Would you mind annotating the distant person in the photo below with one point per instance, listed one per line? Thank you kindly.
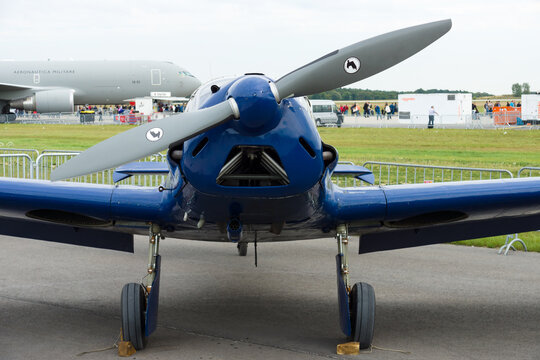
(474, 112)
(366, 109)
(354, 110)
(431, 116)
(378, 112)
(100, 113)
(392, 109)
(388, 111)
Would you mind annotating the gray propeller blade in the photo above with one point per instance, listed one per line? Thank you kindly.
(145, 140)
(359, 61)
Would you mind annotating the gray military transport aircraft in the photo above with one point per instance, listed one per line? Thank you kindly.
(57, 86)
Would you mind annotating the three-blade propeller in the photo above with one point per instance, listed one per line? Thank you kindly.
(339, 68)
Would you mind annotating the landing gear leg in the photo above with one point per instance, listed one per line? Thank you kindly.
(140, 301)
(356, 304)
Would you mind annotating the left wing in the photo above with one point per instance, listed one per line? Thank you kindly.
(400, 216)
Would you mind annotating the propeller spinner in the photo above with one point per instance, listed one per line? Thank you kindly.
(339, 68)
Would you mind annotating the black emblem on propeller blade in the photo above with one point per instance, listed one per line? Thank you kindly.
(154, 134)
(351, 65)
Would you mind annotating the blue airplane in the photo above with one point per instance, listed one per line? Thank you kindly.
(246, 164)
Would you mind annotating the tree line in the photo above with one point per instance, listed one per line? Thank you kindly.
(367, 94)
(518, 89)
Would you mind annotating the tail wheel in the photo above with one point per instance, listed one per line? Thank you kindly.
(134, 315)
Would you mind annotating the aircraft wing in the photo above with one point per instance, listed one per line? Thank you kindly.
(13, 87)
(400, 216)
(80, 214)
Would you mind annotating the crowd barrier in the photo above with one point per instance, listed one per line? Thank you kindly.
(30, 164)
(389, 173)
(506, 115)
(19, 166)
(529, 171)
(132, 118)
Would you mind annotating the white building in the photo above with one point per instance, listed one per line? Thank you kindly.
(452, 108)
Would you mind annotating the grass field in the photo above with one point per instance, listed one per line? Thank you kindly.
(503, 149)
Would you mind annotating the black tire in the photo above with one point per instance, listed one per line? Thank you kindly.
(134, 315)
(242, 248)
(362, 308)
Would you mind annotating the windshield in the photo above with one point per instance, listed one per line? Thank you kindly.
(204, 92)
(185, 73)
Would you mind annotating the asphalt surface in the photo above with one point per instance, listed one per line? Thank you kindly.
(435, 302)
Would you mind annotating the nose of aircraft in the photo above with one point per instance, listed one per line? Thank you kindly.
(191, 84)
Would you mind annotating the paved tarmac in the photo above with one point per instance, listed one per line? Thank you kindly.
(435, 302)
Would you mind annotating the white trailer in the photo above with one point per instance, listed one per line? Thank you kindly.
(452, 108)
(530, 107)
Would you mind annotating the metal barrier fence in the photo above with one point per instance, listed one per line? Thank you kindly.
(388, 173)
(529, 171)
(7, 118)
(48, 161)
(107, 117)
(30, 164)
(19, 166)
(11, 151)
(442, 121)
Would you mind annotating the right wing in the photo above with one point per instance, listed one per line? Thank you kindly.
(79, 214)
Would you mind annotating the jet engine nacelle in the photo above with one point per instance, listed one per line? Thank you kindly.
(60, 100)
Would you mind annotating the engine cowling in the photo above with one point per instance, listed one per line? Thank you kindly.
(59, 100)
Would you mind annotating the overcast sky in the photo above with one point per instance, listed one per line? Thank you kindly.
(492, 44)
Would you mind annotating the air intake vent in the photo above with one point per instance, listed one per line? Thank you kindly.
(252, 166)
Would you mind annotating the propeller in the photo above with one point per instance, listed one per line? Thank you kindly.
(145, 140)
(359, 61)
(339, 68)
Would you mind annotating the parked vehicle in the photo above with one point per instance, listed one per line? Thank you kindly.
(325, 112)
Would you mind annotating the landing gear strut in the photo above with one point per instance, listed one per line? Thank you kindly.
(140, 302)
(356, 304)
